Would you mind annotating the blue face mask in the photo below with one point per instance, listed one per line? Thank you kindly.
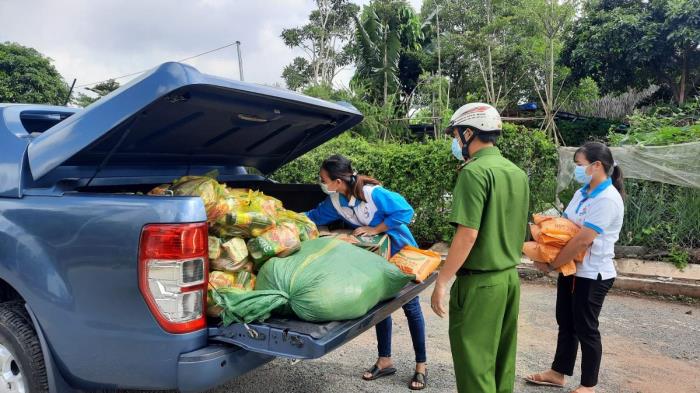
(457, 150)
(580, 174)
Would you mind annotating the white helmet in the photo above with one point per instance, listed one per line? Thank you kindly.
(478, 116)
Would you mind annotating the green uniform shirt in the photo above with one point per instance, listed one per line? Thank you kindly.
(492, 196)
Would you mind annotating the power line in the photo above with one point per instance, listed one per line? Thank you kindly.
(142, 71)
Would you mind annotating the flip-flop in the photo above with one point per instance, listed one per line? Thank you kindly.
(535, 380)
(421, 378)
(379, 373)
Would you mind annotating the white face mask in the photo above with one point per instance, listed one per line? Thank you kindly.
(325, 189)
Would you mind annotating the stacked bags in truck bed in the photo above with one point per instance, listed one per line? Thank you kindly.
(550, 235)
(297, 274)
(247, 228)
(327, 280)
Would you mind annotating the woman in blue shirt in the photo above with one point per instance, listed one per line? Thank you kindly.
(361, 202)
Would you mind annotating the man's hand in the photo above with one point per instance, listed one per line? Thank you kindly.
(543, 267)
(366, 231)
(462, 243)
(437, 301)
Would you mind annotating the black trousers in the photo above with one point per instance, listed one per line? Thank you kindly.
(579, 301)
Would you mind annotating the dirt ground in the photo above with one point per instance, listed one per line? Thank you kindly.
(649, 346)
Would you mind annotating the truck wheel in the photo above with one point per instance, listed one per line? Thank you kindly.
(21, 361)
(17, 307)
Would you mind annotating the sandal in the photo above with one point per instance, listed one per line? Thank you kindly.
(379, 372)
(419, 378)
(538, 380)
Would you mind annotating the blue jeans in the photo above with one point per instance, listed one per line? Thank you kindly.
(416, 325)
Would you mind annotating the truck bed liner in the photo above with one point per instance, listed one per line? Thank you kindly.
(293, 338)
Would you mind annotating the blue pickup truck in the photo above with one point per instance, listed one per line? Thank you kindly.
(103, 287)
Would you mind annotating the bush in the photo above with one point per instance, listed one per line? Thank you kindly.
(425, 173)
(576, 133)
(661, 216)
(662, 125)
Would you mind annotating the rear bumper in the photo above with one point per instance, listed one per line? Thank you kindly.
(214, 365)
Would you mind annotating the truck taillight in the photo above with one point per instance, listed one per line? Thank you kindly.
(173, 271)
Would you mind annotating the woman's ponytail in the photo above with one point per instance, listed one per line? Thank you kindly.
(618, 180)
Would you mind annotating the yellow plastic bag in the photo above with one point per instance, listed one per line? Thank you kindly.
(214, 248)
(243, 280)
(212, 193)
(307, 228)
(281, 241)
(236, 250)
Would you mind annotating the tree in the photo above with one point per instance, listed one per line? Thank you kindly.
(386, 30)
(550, 21)
(101, 89)
(636, 43)
(298, 73)
(482, 48)
(324, 40)
(26, 76)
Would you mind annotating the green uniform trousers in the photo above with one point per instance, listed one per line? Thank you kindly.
(484, 330)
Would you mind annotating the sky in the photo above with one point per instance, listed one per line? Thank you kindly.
(94, 40)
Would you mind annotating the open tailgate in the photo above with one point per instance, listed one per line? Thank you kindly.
(305, 340)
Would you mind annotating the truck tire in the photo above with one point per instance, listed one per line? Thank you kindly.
(17, 306)
(21, 361)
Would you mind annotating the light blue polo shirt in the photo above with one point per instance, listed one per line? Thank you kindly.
(602, 210)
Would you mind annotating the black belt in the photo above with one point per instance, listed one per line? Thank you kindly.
(471, 272)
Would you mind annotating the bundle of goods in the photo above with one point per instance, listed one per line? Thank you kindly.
(280, 241)
(420, 263)
(249, 226)
(326, 280)
(378, 244)
(242, 281)
(550, 235)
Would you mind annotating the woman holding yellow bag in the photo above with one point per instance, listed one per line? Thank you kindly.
(598, 209)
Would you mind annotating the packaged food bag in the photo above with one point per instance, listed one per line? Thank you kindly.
(207, 188)
(162, 189)
(256, 201)
(245, 280)
(327, 280)
(556, 231)
(214, 248)
(550, 235)
(221, 281)
(547, 254)
(264, 203)
(280, 241)
(245, 224)
(378, 244)
(236, 250)
(307, 228)
(420, 263)
(225, 264)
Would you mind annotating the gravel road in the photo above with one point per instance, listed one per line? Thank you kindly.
(649, 346)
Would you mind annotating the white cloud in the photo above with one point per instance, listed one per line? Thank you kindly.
(95, 40)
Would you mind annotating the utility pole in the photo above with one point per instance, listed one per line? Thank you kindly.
(240, 60)
(70, 92)
(437, 23)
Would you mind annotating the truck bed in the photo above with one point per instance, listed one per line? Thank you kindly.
(296, 339)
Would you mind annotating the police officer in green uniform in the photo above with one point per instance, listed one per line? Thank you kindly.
(490, 205)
